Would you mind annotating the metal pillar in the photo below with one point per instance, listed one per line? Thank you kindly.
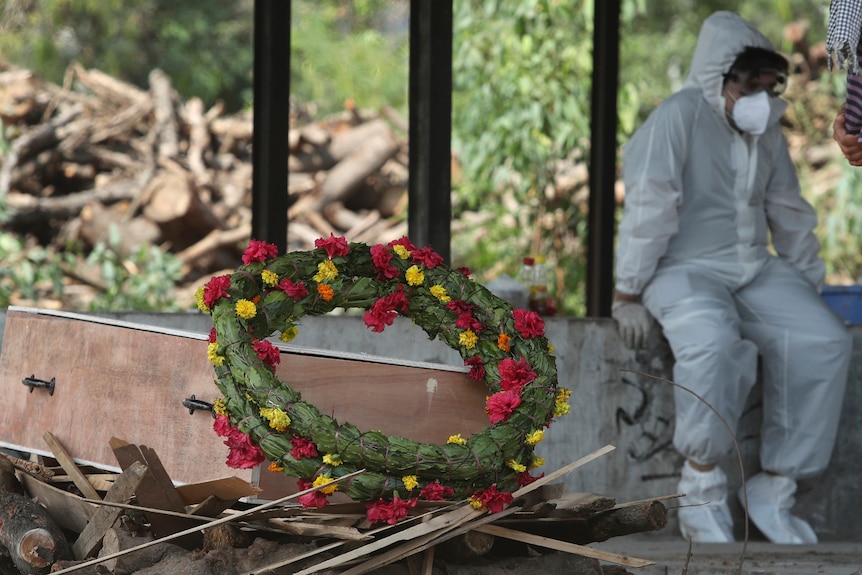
(429, 188)
(271, 104)
(603, 158)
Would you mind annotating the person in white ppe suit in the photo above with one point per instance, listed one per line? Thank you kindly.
(709, 182)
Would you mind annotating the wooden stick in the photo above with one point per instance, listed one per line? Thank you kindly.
(563, 546)
(78, 478)
(213, 523)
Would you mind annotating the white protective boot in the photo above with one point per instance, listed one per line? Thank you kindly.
(704, 516)
(770, 498)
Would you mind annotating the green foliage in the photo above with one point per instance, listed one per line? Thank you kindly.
(339, 52)
(144, 281)
(28, 274)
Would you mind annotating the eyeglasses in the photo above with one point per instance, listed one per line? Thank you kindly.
(773, 82)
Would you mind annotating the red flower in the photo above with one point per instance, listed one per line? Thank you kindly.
(212, 337)
(244, 454)
(436, 492)
(259, 251)
(493, 500)
(465, 271)
(501, 405)
(302, 448)
(295, 290)
(385, 309)
(525, 478)
(267, 353)
(427, 257)
(477, 367)
(389, 511)
(315, 499)
(402, 241)
(216, 289)
(222, 425)
(377, 321)
(381, 257)
(528, 323)
(333, 246)
(515, 374)
(467, 321)
(460, 306)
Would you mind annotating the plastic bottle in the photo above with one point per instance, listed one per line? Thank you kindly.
(526, 274)
(539, 287)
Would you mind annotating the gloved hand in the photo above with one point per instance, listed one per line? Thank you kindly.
(633, 321)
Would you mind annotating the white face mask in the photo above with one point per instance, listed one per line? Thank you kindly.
(751, 113)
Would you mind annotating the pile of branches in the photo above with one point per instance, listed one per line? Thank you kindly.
(97, 154)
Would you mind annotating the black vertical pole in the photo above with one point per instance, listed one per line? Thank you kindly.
(269, 141)
(603, 158)
(429, 189)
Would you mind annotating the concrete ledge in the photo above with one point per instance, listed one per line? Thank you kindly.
(616, 400)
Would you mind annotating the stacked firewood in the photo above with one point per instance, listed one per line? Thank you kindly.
(97, 153)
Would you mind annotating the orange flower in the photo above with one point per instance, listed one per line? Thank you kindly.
(325, 291)
(256, 299)
(503, 342)
(275, 467)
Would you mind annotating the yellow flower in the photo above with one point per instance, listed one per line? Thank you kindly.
(278, 420)
(476, 504)
(561, 406)
(289, 334)
(537, 462)
(515, 466)
(323, 480)
(457, 439)
(468, 339)
(199, 300)
(561, 409)
(332, 460)
(213, 356)
(326, 271)
(551, 349)
(414, 276)
(410, 482)
(535, 437)
(275, 467)
(270, 278)
(401, 251)
(326, 292)
(219, 407)
(246, 309)
(503, 342)
(440, 293)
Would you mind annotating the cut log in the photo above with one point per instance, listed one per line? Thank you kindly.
(166, 120)
(31, 537)
(345, 178)
(174, 204)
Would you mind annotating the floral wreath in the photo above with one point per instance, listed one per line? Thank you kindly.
(263, 418)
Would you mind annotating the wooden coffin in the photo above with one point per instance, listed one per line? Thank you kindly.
(87, 379)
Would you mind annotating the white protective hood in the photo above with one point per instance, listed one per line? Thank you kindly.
(698, 191)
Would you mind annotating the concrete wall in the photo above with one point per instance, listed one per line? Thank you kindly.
(618, 398)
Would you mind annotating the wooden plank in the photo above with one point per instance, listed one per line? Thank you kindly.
(131, 380)
(123, 490)
(110, 382)
(556, 545)
(66, 461)
(157, 490)
(68, 510)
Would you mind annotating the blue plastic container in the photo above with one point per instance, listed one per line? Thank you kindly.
(846, 301)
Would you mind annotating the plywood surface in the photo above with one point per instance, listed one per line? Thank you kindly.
(118, 380)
